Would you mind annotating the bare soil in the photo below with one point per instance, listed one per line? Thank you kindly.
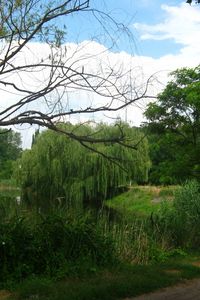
(188, 290)
(4, 295)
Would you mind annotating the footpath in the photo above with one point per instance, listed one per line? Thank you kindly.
(189, 290)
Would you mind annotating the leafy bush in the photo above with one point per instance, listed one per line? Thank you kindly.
(187, 208)
(52, 245)
(178, 222)
(16, 250)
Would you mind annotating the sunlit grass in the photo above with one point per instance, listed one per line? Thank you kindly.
(141, 200)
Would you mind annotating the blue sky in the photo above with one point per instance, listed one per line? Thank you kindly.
(84, 26)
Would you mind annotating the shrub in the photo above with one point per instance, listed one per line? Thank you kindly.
(15, 248)
(51, 245)
(187, 208)
(178, 222)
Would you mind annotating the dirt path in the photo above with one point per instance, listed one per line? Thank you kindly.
(190, 290)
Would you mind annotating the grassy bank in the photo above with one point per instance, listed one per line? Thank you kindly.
(141, 200)
(116, 283)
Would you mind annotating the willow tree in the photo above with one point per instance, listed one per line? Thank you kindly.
(60, 170)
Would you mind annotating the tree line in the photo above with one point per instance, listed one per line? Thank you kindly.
(172, 130)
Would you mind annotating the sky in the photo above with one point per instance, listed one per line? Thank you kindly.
(158, 27)
(159, 36)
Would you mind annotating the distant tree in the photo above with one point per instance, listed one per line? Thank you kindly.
(10, 149)
(174, 121)
(34, 136)
(60, 168)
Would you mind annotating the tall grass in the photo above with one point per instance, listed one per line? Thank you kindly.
(135, 240)
(64, 243)
(171, 229)
(180, 221)
(53, 245)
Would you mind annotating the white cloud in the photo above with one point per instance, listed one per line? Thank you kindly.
(181, 24)
(90, 55)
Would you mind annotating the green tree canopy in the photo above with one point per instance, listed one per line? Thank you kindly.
(175, 122)
(61, 168)
(10, 150)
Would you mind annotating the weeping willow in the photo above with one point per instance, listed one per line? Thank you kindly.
(58, 169)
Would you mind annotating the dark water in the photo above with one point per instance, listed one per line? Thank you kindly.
(11, 203)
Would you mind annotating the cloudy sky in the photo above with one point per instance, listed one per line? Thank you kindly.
(162, 36)
(159, 28)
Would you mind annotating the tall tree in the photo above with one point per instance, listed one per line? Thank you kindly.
(175, 122)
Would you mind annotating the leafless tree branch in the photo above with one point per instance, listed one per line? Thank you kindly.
(44, 99)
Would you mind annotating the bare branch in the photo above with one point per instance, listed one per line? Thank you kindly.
(45, 85)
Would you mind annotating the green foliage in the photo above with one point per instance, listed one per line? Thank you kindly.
(141, 201)
(187, 208)
(12, 27)
(9, 151)
(71, 244)
(137, 201)
(58, 169)
(174, 129)
(53, 245)
(179, 221)
(123, 281)
(8, 203)
(156, 223)
(163, 232)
